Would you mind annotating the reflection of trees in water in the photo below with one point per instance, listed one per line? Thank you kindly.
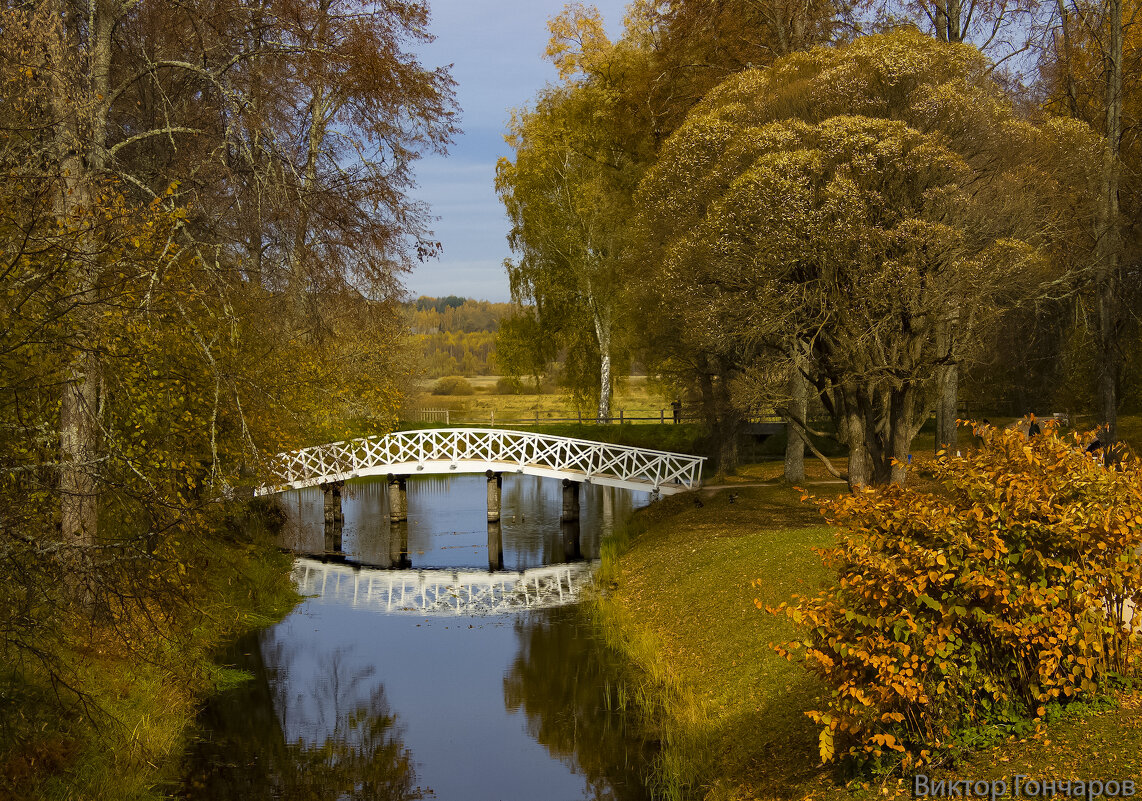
(303, 529)
(354, 750)
(530, 521)
(566, 683)
(432, 485)
(439, 504)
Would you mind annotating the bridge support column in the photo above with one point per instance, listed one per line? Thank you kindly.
(331, 497)
(333, 514)
(398, 546)
(570, 500)
(495, 484)
(398, 498)
(495, 546)
(333, 544)
(572, 550)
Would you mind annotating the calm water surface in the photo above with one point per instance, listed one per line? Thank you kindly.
(350, 701)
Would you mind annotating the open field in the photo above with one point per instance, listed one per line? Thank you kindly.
(638, 400)
(635, 397)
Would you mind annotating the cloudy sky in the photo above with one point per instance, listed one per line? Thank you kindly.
(496, 49)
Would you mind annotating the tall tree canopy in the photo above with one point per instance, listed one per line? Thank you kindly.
(1092, 49)
(858, 210)
(273, 141)
(203, 212)
(569, 208)
(578, 156)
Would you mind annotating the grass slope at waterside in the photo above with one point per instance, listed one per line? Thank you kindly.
(678, 600)
(117, 729)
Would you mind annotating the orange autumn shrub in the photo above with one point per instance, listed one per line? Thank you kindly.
(977, 606)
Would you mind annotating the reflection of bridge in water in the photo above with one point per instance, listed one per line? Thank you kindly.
(438, 592)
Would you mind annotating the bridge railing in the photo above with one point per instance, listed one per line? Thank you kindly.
(578, 459)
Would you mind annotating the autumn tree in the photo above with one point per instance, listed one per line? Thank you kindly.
(1091, 49)
(149, 354)
(839, 208)
(568, 195)
(347, 111)
(697, 44)
(693, 47)
(196, 109)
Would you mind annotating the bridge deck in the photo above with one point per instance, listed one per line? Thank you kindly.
(477, 450)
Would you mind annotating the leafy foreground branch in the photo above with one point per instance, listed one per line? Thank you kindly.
(100, 705)
(977, 607)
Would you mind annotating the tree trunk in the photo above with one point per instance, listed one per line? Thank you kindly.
(940, 13)
(603, 336)
(80, 114)
(859, 461)
(299, 266)
(956, 32)
(1072, 91)
(1109, 242)
(728, 455)
(605, 390)
(900, 432)
(947, 389)
(320, 106)
(79, 452)
(799, 409)
(729, 423)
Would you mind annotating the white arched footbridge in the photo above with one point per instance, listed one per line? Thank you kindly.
(477, 450)
(449, 592)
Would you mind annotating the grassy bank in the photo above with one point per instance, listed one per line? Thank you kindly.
(678, 601)
(110, 719)
(728, 711)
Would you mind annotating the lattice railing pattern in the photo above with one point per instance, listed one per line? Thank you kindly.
(486, 448)
(437, 592)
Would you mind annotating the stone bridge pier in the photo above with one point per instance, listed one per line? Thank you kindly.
(398, 546)
(398, 498)
(570, 501)
(495, 546)
(495, 490)
(333, 514)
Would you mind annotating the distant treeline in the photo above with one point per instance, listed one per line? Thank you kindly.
(457, 335)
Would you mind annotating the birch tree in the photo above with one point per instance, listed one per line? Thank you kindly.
(567, 194)
(355, 111)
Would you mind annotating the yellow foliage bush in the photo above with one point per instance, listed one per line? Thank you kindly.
(977, 606)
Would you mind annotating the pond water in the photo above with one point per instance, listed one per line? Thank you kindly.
(376, 688)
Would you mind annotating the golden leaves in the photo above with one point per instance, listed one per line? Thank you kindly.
(964, 608)
(578, 40)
